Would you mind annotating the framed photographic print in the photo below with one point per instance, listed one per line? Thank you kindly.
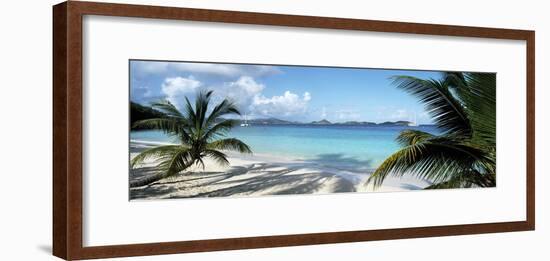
(252, 130)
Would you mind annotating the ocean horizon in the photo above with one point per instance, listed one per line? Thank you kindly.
(367, 146)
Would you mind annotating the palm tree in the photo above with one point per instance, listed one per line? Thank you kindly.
(463, 107)
(201, 133)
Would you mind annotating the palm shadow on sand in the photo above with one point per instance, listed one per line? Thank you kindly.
(275, 178)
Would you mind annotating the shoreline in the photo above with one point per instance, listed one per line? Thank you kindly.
(261, 174)
(229, 153)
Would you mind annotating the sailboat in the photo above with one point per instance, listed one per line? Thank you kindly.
(245, 123)
(413, 123)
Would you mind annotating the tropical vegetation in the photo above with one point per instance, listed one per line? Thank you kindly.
(463, 107)
(139, 112)
(201, 131)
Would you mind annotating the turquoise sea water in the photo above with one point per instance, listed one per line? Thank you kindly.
(368, 146)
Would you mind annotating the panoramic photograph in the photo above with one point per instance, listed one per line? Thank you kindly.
(201, 130)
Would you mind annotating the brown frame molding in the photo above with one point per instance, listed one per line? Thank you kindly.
(67, 129)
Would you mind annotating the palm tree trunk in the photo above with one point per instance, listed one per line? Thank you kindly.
(146, 180)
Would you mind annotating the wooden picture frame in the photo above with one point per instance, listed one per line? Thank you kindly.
(68, 118)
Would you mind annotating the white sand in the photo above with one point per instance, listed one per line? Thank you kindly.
(257, 175)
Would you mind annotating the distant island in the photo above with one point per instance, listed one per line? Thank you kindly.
(275, 121)
(140, 112)
(321, 122)
(395, 123)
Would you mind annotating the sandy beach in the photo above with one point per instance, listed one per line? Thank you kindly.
(260, 174)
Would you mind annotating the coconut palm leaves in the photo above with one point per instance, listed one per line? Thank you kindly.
(477, 93)
(200, 130)
(463, 107)
(445, 110)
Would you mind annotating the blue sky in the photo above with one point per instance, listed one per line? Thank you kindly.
(297, 93)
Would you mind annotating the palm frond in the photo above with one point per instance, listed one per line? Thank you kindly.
(458, 181)
(199, 161)
(436, 159)
(167, 108)
(411, 137)
(230, 144)
(223, 108)
(167, 125)
(179, 160)
(463, 106)
(219, 129)
(153, 153)
(477, 93)
(455, 80)
(480, 102)
(466, 180)
(190, 115)
(218, 156)
(197, 129)
(445, 110)
(202, 102)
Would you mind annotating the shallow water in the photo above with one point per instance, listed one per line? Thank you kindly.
(349, 145)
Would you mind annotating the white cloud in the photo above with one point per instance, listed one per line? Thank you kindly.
(177, 88)
(286, 105)
(247, 85)
(226, 70)
(241, 91)
(307, 96)
(246, 92)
